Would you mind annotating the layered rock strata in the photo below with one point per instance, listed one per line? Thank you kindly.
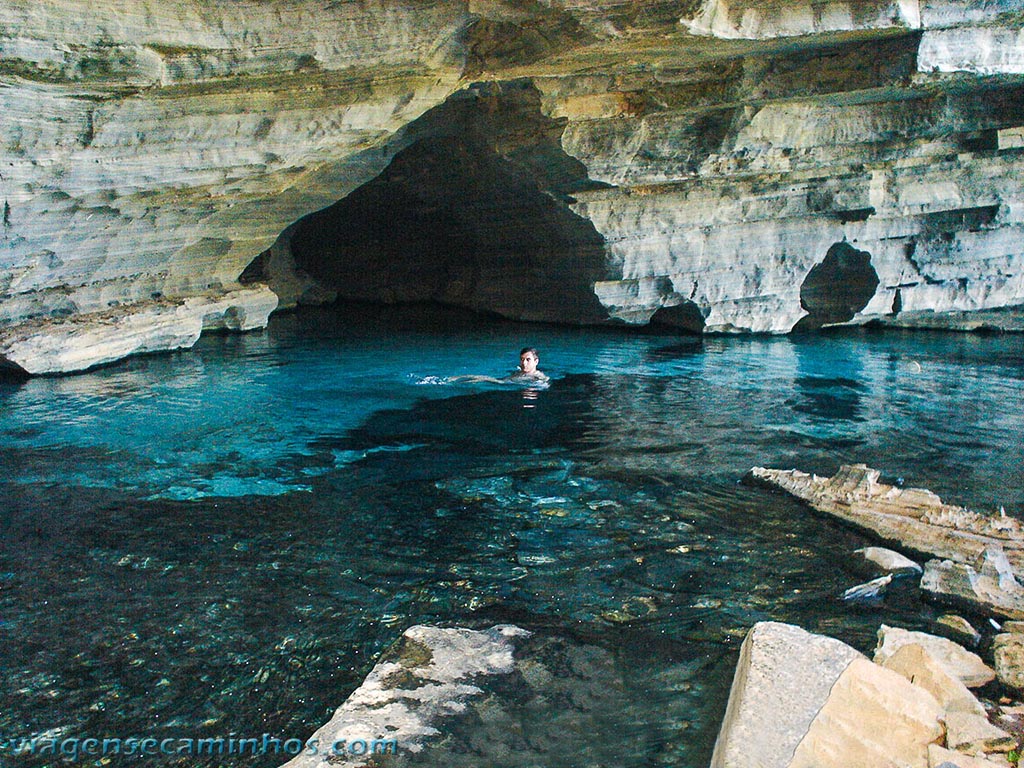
(914, 518)
(757, 165)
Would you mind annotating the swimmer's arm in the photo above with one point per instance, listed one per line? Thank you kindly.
(474, 378)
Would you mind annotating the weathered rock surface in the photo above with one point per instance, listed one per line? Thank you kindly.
(873, 717)
(781, 669)
(920, 667)
(659, 162)
(428, 677)
(1008, 658)
(958, 629)
(975, 735)
(911, 517)
(988, 587)
(963, 664)
(805, 700)
(940, 757)
(84, 341)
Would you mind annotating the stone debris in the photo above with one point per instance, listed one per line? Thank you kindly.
(958, 629)
(1008, 658)
(914, 518)
(975, 735)
(871, 590)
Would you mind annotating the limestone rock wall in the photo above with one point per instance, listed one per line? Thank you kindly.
(714, 165)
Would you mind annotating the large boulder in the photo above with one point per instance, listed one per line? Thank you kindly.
(800, 699)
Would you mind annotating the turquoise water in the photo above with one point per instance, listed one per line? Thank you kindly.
(221, 541)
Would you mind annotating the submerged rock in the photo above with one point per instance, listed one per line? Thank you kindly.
(911, 517)
(427, 677)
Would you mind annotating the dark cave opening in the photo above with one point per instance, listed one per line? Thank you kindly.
(474, 212)
(838, 288)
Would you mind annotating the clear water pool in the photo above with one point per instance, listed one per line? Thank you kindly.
(221, 541)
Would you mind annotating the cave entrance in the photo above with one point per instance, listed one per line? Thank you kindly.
(473, 212)
(838, 288)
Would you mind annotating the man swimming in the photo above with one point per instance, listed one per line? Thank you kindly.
(526, 372)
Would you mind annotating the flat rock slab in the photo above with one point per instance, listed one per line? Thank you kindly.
(914, 518)
(85, 341)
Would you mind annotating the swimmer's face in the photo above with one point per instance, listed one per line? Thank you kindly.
(528, 362)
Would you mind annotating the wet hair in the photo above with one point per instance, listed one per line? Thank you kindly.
(525, 350)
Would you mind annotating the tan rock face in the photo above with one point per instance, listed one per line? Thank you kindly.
(1008, 656)
(873, 717)
(924, 670)
(866, 170)
(959, 662)
(783, 670)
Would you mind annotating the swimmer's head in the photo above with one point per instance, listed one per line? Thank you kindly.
(528, 360)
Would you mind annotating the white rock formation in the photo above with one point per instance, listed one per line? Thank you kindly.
(867, 169)
(85, 341)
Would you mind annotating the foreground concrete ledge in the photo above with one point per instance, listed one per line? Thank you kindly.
(425, 678)
(55, 346)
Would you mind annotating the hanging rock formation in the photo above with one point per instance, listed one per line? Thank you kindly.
(726, 165)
